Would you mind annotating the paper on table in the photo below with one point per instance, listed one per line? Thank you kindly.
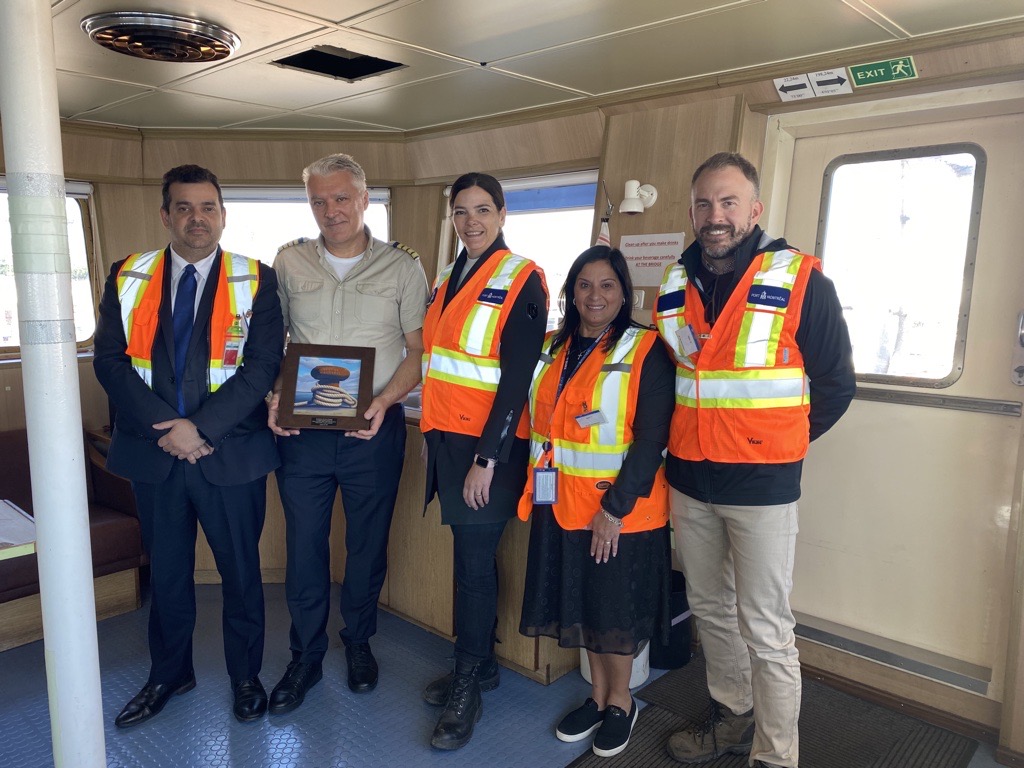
(16, 525)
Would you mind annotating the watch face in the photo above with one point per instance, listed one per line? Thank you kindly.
(481, 462)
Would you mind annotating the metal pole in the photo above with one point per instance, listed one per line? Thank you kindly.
(42, 271)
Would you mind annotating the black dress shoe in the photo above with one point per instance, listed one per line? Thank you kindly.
(250, 700)
(362, 668)
(150, 700)
(291, 691)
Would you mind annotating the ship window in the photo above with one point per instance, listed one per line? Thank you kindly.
(898, 235)
(261, 220)
(82, 293)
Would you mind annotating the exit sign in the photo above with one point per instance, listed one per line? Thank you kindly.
(878, 72)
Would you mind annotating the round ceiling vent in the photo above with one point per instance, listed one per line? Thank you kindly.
(160, 37)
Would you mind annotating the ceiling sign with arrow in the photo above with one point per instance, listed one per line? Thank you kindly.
(826, 82)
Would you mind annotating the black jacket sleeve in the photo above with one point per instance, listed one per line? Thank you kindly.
(655, 402)
(824, 342)
(521, 340)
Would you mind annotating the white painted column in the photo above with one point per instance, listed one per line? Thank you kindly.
(42, 270)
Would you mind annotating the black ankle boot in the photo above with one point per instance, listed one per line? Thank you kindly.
(461, 711)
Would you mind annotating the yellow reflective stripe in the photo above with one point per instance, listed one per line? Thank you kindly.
(135, 274)
(478, 333)
(464, 370)
(443, 275)
(241, 274)
(611, 392)
(671, 321)
(771, 388)
(686, 387)
(479, 328)
(588, 460)
(760, 328)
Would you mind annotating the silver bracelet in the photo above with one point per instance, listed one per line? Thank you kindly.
(616, 521)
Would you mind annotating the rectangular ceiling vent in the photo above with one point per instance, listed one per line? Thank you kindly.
(329, 61)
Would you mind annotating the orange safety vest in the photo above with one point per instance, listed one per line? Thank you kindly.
(140, 291)
(589, 459)
(743, 397)
(461, 367)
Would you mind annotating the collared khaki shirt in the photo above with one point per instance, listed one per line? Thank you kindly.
(383, 298)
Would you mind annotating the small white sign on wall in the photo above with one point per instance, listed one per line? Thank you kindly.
(648, 255)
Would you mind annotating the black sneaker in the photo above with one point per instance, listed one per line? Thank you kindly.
(580, 723)
(615, 731)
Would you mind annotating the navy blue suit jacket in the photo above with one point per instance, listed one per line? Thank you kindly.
(233, 419)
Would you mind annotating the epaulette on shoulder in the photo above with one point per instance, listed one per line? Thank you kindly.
(296, 241)
(406, 248)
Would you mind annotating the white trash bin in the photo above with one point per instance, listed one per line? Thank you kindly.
(641, 666)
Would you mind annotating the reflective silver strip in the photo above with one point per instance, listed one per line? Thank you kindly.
(442, 365)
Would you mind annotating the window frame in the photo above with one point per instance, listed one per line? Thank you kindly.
(970, 256)
(81, 193)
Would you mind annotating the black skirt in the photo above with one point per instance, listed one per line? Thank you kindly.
(609, 607)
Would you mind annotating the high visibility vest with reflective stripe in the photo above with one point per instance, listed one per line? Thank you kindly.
(140, 290)
(461, 367)
(743, 397)
(589, 459)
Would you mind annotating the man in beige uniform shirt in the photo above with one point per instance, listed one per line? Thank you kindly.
(344, 288)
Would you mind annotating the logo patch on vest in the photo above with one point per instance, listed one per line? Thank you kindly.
(492, 296)
(602, 485)
(769, 296)
(673, 300)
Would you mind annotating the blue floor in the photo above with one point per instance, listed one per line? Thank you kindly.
(334, 728)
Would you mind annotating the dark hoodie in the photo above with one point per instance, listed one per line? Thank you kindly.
(824, 343)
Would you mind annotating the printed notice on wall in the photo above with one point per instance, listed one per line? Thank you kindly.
(648, 255)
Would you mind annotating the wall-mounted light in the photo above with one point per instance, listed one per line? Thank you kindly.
(637, 198)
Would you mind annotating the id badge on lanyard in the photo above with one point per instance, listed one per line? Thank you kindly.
(545, 485)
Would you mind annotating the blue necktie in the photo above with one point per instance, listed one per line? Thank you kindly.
(183, 317)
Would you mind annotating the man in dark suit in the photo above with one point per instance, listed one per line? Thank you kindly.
(188, 344)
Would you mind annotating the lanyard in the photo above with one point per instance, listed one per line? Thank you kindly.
(568, 374)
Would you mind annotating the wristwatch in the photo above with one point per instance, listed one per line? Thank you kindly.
(480, 461)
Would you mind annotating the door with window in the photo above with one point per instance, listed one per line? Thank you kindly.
(903, 555)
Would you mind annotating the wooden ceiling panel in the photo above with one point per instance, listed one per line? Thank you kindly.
(690, 48)
(490, 31)
(461, 96)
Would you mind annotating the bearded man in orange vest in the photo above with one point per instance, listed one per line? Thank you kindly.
(763, 366)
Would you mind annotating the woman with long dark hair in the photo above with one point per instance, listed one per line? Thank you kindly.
(599, 560)
(482, 334)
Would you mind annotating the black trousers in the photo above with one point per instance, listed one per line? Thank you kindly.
(476, 581)
(314, 465)
(232, 519)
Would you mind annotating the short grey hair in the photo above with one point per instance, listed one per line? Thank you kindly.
(335, 163)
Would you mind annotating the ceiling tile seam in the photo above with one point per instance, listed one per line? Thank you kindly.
(354, 123)
(380, 10)
(63, 5)
(538, 81)
(432, 78)
(110, 104)
(366, 34)
(488, 116)
(875, 16)
(734, 6)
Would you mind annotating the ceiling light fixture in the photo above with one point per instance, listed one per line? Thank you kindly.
(161, 37)
(637, 198)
